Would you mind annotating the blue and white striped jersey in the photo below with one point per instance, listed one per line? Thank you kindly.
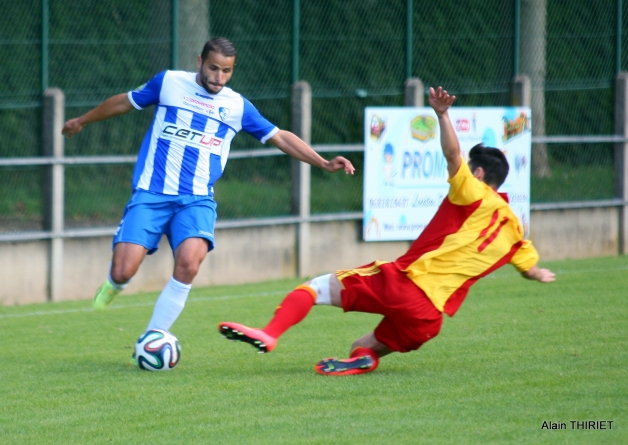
(186, 147)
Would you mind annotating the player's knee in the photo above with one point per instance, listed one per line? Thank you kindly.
(122, 273)
(186, 270)
(321, 288)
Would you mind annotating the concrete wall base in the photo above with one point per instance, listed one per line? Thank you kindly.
(249, 255)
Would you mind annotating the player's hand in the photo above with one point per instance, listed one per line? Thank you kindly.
(72, 127)
(440, 100)
(546, 276)
(339, 163)
(540, 275)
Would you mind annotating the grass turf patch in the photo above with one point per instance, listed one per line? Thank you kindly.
(518, 353)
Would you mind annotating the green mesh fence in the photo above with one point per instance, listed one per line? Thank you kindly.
(22, 203)
(354, 54)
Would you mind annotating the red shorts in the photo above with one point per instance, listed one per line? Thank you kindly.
(410, 318)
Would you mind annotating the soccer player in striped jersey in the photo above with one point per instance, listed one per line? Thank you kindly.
(473, 233)
(183, 154)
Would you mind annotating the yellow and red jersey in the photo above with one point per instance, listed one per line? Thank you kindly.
(473, 233)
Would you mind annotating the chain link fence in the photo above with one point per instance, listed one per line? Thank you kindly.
(354, 54)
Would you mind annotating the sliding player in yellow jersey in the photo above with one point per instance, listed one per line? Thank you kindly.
(473, 233)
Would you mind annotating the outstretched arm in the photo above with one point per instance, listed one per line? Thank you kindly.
(538, 274)
(292, 145)
(440, 101)
(114, 106)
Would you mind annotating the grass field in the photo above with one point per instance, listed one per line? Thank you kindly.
(517, 354)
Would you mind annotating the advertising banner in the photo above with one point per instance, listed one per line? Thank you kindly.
(405, 172)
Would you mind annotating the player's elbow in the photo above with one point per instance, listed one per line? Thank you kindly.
(279, 140)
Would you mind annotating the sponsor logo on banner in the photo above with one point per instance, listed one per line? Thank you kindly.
(515, 126)
(526, 225)
(389, 169)
(463, 125)
(521, 163)
(423, 128)
(424, 165)
(377, 127)
(372, 228)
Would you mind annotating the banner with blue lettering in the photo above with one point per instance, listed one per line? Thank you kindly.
(405, 172)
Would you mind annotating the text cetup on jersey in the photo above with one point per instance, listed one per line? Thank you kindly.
(195, 137)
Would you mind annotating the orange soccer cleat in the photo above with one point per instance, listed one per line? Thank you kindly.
(257, 338)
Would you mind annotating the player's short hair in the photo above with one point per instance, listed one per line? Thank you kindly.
(219, 45)
(492, 161)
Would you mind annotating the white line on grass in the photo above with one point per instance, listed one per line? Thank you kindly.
(498, 275)
(146, 303)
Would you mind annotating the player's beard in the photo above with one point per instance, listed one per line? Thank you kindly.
(206, 84)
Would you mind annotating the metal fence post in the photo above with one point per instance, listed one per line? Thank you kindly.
(533, 62)
(53, 146)
(296, 37)
(414, 96)
(192, 31)
(621, 157)
(301, 172)
(521, 92)
(409, 35)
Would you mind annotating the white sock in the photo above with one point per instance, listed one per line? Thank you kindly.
(169, 305)
(321, 287)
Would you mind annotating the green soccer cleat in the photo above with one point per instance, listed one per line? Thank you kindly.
(133, 362)
(105, 296)
(349, 366)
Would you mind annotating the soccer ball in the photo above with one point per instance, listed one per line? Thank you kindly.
(157, 350)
